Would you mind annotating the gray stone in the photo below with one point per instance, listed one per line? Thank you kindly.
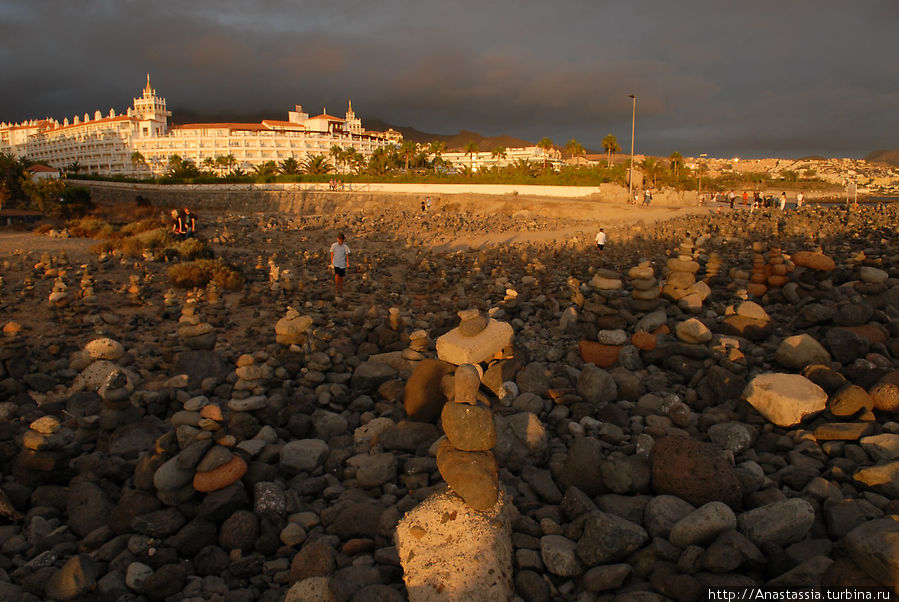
(780, 523)
(559, 556)
(373, 470)
(874, 546)
(609, 538)
(703, 525)
(303, 455)
(663, 512)
(596, 385)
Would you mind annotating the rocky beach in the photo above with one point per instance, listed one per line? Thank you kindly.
(493, 410)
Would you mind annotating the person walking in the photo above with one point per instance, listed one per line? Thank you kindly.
(340, 260)
(783, 200)
(601, 240)
(800, 198)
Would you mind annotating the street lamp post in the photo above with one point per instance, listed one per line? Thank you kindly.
(630, 172)
(701, 157)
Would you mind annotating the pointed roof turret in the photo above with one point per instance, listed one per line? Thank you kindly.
(148, 88)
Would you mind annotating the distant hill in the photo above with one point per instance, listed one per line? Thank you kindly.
(890, 157)
(454, 142)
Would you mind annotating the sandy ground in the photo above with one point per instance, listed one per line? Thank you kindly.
(607, 215)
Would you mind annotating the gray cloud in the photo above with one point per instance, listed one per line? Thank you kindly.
(748, 79)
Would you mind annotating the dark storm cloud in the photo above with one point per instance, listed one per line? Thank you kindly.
(751, 79)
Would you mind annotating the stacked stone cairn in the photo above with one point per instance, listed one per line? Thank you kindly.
(59, 296)
(88, 296)
(436, 539)
(135, 292)
(47, 448)
(680, 284)
(293, 328)
(713, 266)
(252, 379)
(193, 332)
(646, 291)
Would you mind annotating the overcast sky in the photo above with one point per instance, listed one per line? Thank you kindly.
(726, 77)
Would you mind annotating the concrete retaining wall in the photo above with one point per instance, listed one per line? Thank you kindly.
(304, 198)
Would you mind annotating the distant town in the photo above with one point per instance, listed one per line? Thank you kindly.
(141, 143)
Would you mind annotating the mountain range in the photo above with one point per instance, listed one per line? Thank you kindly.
(890, 157)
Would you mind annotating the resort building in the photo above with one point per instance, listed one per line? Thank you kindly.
(140, 142)
(482, 160)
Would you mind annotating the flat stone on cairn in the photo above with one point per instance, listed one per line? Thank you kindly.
(292, 329)
(680, 282)
(59, 296)
(250, 375)
(47, 448)
(457, 347)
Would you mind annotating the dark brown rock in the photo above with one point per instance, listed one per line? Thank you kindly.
(423, 399)
(694, 471)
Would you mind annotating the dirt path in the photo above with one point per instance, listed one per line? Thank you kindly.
(15, 242)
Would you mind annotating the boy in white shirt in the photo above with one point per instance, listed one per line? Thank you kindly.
(601, 240)
(340, 260)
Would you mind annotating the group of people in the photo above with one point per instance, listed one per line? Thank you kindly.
(755, 200)
(647, 197)
(184, 223)
(426, 204)
(335, 184)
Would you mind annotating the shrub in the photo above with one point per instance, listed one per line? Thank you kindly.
(192, 248)
(141, 226)
(102, 247)
(91, 227)
(153, 239)
(201, 272)
(43, 229)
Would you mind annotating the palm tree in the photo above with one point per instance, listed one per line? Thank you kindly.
(436, 148)
(289, 166)
(267, 168)
(74, 167)
(545, 145)
(407, 150)
(335, 155)
(651, 169)
(317, 164)
(471, 147)
(574, 148)
(677, 160)
(499, 153)
(138, 159)
(610, 145)
(226, 162)
(209, 164)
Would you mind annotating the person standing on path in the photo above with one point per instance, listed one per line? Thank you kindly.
(799, 200)
(783, 200)
(340, 259)
(600, 240)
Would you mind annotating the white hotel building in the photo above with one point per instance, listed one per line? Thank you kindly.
(106, 144)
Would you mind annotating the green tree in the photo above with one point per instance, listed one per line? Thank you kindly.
(651, 168)
(317, 165)
(574, 148)
(226, 162)
(74, 167)
(44, 194)
(677, 161)
(12, 171)
(545, 145)
(610, 145)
